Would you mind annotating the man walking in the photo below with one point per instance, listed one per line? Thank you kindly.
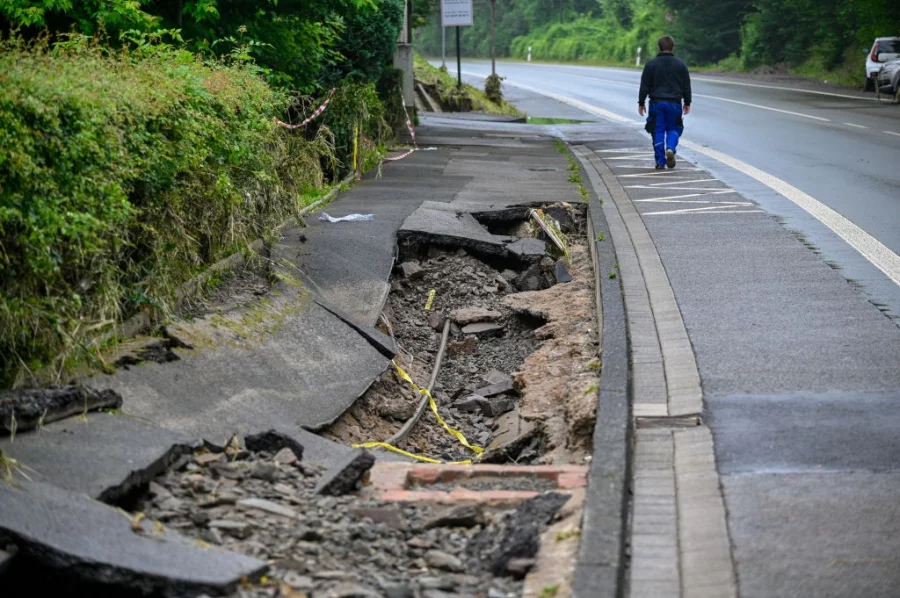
(667, 81)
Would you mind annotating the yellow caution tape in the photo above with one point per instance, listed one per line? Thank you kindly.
(433, 404)
(459, 435)
(428, 305)
(394, 449)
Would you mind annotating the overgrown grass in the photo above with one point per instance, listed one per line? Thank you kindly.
(848, 74)
(121, 175)
(447, 88)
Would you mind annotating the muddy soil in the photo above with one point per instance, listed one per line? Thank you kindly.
(541, 336)
(323, 546)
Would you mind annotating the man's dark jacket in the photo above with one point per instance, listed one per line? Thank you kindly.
(665, 79)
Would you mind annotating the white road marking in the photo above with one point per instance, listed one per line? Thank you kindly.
(696, 95)
(641, 166)
(666, 174)
(821, 93)
(871, 248)
(709, 210)
(708, 189)
(856, 125)
(761, 107)
(566, 100)
(868, 246)
(673, 198)
(679, 182)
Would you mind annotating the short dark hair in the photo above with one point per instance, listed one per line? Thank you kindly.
(666, 43)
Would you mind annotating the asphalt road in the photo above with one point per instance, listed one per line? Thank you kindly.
(800, 374)
(842, 148)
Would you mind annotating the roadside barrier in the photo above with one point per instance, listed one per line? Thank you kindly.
(312, 117)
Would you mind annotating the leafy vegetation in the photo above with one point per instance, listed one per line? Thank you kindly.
(803, 36)
(138, 145)
(446, 87)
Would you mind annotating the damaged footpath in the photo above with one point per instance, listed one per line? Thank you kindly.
(396, 407)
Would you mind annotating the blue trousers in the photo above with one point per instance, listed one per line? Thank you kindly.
(665, 124)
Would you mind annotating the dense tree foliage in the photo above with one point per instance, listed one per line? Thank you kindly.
(137, 146)
(758, 32)
(303, 44)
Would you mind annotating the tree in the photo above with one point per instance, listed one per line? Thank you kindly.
(707, 32)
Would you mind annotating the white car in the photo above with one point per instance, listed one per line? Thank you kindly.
(883, 50)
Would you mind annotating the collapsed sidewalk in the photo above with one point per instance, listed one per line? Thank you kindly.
(316, 338)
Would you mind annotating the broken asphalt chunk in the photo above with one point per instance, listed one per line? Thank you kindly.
(412, 270)
(90, 542)
(347, 475)
(504, 547)
(561, 272)
(483, 329)
(105, 457)
(513, 434)
(471, 315)
(273, 441)
(26, 409)
(528, 249)
(496, 389)
(461, 516)
(268, 506)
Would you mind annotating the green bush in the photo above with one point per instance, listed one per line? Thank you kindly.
(122, 174)
(601, 40)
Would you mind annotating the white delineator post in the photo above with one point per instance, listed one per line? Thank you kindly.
(638, 61)
(529, 53)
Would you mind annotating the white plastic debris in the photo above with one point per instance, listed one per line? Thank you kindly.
(348, 218)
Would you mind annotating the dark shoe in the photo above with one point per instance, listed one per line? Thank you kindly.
(670, 158)
(658, 167)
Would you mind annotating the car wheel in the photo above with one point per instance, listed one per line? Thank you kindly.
(870, 85)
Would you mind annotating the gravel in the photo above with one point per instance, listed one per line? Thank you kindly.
(330, 545)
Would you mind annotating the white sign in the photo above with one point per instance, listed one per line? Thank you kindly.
(456, 13)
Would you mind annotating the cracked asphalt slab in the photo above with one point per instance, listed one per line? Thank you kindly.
(291, 361)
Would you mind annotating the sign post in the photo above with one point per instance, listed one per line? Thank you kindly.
(457, 13)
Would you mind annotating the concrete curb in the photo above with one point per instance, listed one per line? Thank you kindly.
(143, 320)
(600, 570)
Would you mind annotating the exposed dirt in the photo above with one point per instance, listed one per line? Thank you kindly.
(559, 381)
(231, 290)
(544, 338)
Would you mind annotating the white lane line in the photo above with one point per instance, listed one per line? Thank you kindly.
(566, 100)
(856, 125)
(621, 151)
(658, 172)
(892, 133)
(821, 93)
(709, 210)
(871, 248)
(868, 246)
(680, 182)
(673, 198)
(708, 97)
(761, 107)
(641, 166)
(708, 189)
(666, 174)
